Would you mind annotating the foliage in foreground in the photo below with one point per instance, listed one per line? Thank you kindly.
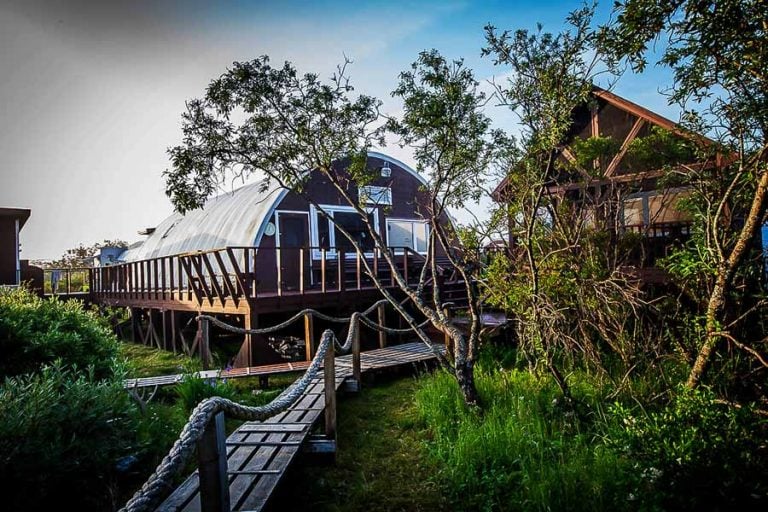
(527, 451)
(62, 433)
(35, 332)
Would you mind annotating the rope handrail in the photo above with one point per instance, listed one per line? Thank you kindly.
(159, 484)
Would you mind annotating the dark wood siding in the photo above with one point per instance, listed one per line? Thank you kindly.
(8, 250)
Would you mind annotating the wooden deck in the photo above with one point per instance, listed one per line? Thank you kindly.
(259, 453)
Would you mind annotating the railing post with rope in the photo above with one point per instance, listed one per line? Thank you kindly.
(329, 378)
(205, 347)
(356, 370)
(212, 464)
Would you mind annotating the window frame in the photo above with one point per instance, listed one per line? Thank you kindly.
(413, 222)
(315, 215)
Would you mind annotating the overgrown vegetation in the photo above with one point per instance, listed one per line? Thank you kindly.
(528, 450)
(35, 332)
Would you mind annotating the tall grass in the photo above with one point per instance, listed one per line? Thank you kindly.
(524, 451)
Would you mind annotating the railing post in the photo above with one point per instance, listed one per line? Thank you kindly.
(382, 319)
(301, 270)
(329, 377)
(356, 370)
(357, 270)
(309, 335)
(341, 262)
(322, 270)
(205, 347)
(212, 462)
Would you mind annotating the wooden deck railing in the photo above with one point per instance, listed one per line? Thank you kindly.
(66, 281)
(233, 274)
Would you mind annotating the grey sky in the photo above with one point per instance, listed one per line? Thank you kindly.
(91, 92)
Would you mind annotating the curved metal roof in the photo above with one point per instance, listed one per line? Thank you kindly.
(232, 219)
(236, 218)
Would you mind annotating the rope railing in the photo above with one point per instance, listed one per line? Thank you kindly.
(210, 412)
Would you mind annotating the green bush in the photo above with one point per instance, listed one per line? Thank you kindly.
(35, 332)
(192, 390)
(696, 453)
(61, 434)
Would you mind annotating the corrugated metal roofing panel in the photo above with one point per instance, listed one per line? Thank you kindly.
(232, 219)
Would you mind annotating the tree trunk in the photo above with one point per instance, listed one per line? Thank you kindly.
(465, 375)
(725, 272)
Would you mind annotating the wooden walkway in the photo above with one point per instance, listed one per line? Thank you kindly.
(259, 453)
(234, 373)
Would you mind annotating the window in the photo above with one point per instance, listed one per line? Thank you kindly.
(375, 195)
(354, 225)
(408, 233)
(325, 234)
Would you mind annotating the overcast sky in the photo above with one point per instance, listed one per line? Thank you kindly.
(91, 91)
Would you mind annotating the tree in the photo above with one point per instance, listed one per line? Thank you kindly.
(452, 142)
(718, 54)
(550, 75)
(82, 256)
(259, 118)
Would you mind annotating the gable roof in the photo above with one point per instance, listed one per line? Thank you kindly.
(638, 120)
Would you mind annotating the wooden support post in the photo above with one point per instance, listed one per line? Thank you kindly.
(329, 377)
(322, 270)
(341, 263)
(135, 328)
(251, 321)
(357, 373)
(212, 462)
(166, 319)
(205, 346)
(309, 332)
(382, 319)
(358, 272)
(301, 270)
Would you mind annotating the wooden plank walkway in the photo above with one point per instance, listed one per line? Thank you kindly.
(259, 453)
(251, 371)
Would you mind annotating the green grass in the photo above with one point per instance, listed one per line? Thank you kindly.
(525, 451)
(144, 361)
(381, 464)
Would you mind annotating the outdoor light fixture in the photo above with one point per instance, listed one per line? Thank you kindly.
(386, 171)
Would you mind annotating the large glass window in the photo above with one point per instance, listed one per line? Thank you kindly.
(354, 225)
(327, 235)
(413, 234)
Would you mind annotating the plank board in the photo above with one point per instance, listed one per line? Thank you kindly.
(282, 436)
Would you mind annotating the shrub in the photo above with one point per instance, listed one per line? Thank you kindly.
(192, 390)
(696, 452)
(61, 434)
(35, 332)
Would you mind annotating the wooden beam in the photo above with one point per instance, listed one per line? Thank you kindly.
(624, 146)
(309, 334)
(225, 278)
(329, 378)
(205, 343)
(212, 466)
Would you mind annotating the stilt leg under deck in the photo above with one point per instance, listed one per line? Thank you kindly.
(135, 327)
(245, 355)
